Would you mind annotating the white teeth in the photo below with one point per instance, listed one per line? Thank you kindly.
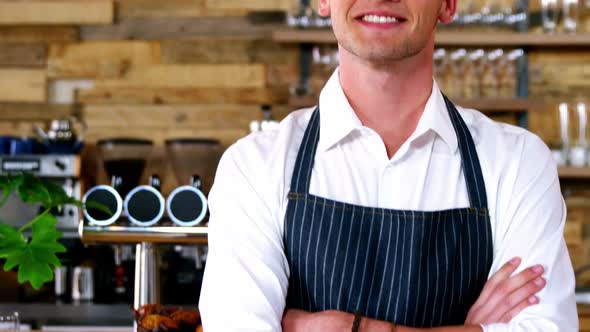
(379, 19)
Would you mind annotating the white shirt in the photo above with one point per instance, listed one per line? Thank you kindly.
(246, 275)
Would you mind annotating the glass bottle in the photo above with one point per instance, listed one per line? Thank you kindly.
(550, 14)
(571, 15)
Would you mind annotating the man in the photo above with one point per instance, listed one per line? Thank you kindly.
(387, 208)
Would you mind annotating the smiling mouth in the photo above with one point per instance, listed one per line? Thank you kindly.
(379, 19)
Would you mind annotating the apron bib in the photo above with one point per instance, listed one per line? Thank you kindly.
(414, 268)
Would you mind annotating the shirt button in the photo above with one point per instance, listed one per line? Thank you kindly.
(388, 168)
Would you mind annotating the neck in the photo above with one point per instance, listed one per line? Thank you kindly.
(388, 98)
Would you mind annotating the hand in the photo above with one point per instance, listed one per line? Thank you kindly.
(504, 296)
(325, 321)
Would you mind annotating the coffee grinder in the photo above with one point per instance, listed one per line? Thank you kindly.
(194, 162)
(124, 161)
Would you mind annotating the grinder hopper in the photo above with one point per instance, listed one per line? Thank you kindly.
(191, 157)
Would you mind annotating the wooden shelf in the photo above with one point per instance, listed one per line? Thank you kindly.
(581, 173)
(315, 36)
(454, 38)
(507, 105)
(513, 39)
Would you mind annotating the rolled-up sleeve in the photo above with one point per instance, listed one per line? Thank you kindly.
(246, 274)
(531, 227)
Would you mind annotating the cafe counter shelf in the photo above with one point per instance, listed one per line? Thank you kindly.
(134, 234)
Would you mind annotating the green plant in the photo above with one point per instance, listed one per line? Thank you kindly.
(35, 256)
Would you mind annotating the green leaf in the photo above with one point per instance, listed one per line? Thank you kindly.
(98, 206)
(32, 190)
(35, 259)
(75, 202)
(12, 242)
(10, 237)
(57, 194)
(6, 186)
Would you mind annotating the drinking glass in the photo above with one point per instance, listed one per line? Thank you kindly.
(334, 58)
(9, 322)
(302, 16)
(307, 18)
(550, 13)
(571, 14)
(316, 54)
(492, 13)
(560, 150)
(578, 152)
(472, 14)
(293, 18)
(514, 13)
(326, 57)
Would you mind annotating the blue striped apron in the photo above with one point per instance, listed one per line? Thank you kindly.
(415, 268)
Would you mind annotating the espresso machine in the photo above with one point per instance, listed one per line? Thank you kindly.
(54, 156)
(169, 233)
(63, 170)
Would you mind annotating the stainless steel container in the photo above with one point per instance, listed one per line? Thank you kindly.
(61, 282)
(82, 284)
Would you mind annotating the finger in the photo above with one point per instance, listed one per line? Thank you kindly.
(494, 306)
(530, 301)
(518, 296)
(504, 273)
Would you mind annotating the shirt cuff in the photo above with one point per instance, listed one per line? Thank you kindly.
(493, 327)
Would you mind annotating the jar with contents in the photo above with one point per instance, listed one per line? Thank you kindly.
(441, 68)
(489, 76)
(473, 68)
(456, 73)
(508, 74)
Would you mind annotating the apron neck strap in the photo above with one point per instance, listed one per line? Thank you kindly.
(305, 157)
(470, 161)
(300, 181)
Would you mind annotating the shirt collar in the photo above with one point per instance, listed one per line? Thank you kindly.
(436, 118)
(338, 119)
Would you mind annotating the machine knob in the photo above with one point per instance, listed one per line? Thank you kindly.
(61, 165)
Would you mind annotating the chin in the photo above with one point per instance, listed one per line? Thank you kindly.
(391, 53)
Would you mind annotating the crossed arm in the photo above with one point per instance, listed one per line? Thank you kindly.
(503, 297)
